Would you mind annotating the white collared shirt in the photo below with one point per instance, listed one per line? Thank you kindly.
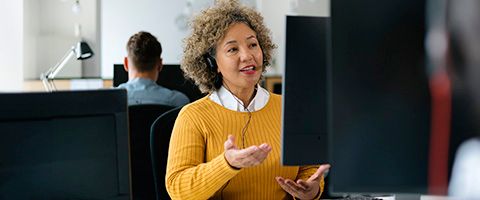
(465, 180)
(225, 98)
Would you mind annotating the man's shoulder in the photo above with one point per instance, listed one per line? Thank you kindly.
(174, 94)
(123, 85)
(132, 84)
(162, 95)
(179, 98)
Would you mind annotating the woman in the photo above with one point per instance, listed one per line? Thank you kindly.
(227, 144)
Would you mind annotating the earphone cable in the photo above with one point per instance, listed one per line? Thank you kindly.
(245, 127)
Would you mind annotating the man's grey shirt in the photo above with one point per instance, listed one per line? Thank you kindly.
(146, 91)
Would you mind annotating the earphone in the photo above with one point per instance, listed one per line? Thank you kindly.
(211, 62)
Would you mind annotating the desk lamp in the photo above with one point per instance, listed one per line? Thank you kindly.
(81, 50)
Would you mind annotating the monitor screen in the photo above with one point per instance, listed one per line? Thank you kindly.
(64, 145)
(304, 119)
(380, 97)
(170, 77)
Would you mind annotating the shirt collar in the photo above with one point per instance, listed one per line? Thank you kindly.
(141, 80)
(225, 98)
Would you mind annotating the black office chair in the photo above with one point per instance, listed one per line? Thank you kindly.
(159, 141)
(141, 118)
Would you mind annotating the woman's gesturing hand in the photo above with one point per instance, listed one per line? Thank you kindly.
(248, 157)
(301, 189)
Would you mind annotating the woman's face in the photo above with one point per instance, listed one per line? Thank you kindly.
(239, 57)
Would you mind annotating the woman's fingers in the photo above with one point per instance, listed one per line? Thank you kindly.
(230, 143)
(284, 186)
(291, 187)
(250, 156)
(300, 189)
(303, 184)
(255, 155)
(294, 185)
(318, 174)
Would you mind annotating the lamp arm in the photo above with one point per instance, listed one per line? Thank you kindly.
(52, 72)
(46, 83)
(49, 85)
(49, 75)
(82, 50)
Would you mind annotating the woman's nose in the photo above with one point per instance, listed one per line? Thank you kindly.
(246, 55)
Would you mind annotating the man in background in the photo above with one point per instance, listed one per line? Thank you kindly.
(143, 64)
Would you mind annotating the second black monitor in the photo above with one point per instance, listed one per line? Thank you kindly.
(380, 97)
(304, 126)
(370, 105)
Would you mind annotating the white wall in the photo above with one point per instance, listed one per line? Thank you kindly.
(122, 18)
(50, 33)
(90, 20)
(118, 20)
(31, 32)
(275, 12)
(11, 48)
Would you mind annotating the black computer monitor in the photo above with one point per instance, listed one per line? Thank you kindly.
(64, 145)
(304, 119)
(380, 97)
(170, 77)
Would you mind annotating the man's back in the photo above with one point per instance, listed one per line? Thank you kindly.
(143, 63)
(146, 91)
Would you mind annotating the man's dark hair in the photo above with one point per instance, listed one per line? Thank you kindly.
(144, 51)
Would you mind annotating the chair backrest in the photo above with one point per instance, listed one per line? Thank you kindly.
(159, 141)
(141, 118)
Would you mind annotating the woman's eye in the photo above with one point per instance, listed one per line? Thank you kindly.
(232, 50)
(254, 45)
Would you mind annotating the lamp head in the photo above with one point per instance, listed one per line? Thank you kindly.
(83, 51)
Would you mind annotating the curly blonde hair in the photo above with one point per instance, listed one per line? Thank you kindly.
(209, 27)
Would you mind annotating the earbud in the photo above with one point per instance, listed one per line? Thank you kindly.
(211, 62)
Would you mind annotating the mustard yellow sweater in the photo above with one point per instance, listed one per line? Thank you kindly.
(197, 168)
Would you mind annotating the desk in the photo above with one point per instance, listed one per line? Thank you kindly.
(431, 197)
(271, 81)
(61, 84)
(414, 197)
